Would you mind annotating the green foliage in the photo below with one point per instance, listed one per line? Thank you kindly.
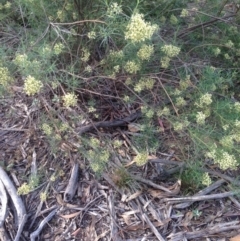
(168, 58)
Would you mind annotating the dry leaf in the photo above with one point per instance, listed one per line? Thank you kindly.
(72, 215)
(133, 196)
(134, 127)
(142, 226)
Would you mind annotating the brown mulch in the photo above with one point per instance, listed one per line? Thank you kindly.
(152, 205)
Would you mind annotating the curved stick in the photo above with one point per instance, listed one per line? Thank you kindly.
(17, 201)
(36, 233)
(4, 199)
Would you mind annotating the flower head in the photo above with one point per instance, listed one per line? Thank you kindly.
(170, 50)
(32, 86)
(205, 100)
(69, 99)
(132, 67)
(145, 52)
(138, 30)
(5, 78)
(114, 9)
(200, 118)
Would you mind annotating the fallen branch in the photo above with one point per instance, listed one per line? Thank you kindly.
(205, 232)
(72, 184)
(108, 124)
(113, 226)
(202, 192)
(17, 201)
(152, 227)
(198, 198)
(36, 233)
(150, 183)
(4, 199)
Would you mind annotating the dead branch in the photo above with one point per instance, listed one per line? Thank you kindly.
(108, 124)
(198, 198)
(152, 227)
(72, 184)
(202, 192)
(4, 200)
(36, 233)
(17, 201)
(234, 225)
(150, 183)
(113, 226)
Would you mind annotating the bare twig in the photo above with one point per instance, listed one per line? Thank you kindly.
(202, 192)
(205, 232)
(36, 233)
(39, 207)
(78, 22)
(152, 227)
(113, 226)
(150, 183)
(198, 198)
(72, 184)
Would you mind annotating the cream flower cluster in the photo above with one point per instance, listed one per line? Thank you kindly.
(141, 158)
(179, 126)
(5, 78)
(145, 52)
(132, 67)
(180, 102)
(165, 111)
(206, 180)
(227, 141)
(32, 86)
(237, 106)
(7, 5)
(224, 159)
(144, 83)
(204, 101)
(58, 48)
(227, 161)
(47, 129)
(98, 159)
(138, 30)
(170, 50)
(69, 99)
(21, 60)
(85, 55)
(91, 35)
(184, 13)
(185, 83)
(114, 9)
(200, 118)
(173, 20)
(116, 54)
